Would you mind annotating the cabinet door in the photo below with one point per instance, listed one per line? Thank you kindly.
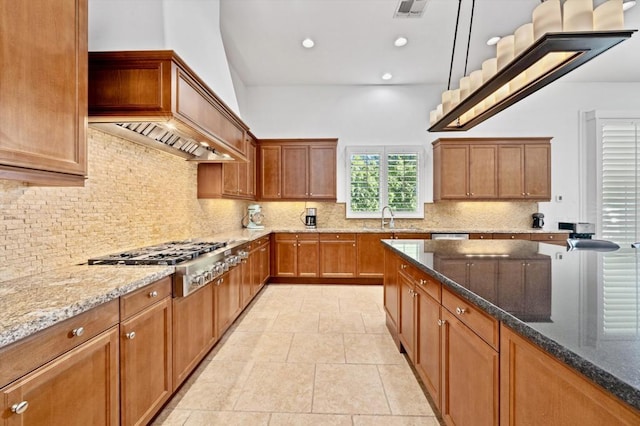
(286, 256)
(338, 259)
(483, 171)
(537, 171)
(428, 341)
(270, 172)
(308, 252)
(511, 171)
(145, 363)
(246, 279)
(227, 299)
(454, 172)
(322, 172)
(371, 254)
(247, 174)
(230, 172)
(391, 287)
(193, 331)
(454, 269)
(406, 330)
(295, 176)
(78, 388)
(537, 389)
(265, 262)
(255, 265)
(43, 87)
(469, 376)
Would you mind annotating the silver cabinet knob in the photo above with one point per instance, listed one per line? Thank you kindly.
(422, 282)
(153, 294)
(441, 322)
(460, 311)
(77, 332)
(131, 335)
(20, 407)
(513, 237)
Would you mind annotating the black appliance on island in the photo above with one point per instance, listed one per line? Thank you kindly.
(579, 230)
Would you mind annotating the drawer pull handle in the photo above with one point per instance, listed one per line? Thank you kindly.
(441, 322)
(77, 332)
(131, 335)
(460, 311)
(153, 294)
(20, 407)
(423, 282)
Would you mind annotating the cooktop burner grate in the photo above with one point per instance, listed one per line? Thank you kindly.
(170, 253)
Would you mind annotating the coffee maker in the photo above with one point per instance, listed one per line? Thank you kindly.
(538, 221)
(310, 218)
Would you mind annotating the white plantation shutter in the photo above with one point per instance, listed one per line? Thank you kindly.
(620, 193)
(620, 182)
(380, 176)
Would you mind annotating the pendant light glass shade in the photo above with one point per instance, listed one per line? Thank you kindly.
(537, 54)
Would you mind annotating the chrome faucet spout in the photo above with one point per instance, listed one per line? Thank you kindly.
(382, 221)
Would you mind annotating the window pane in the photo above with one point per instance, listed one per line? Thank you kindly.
(402, 176)
(365, 182)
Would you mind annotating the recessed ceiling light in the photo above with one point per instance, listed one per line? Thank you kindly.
(387, 76)
(400, 41)
(628, 4)
(307, 43)
(493, 40)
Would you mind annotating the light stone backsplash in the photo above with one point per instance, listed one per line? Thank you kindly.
(476, 216)
(137, 196)
(134, 196)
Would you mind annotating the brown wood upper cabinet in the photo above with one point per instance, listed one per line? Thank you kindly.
(231, 179)
(43, 87)
(492, 169)
(297, 169)
(158, 87)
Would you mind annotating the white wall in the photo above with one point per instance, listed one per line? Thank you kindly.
(361, 115)
(190, 27)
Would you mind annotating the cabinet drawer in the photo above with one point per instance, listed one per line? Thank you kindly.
(146, 296)
(482, 324)
(260, 241)
(37, 349)
(480, 236)
(338, 237)
(430, 286)
(557, 238)
(285, 236)
(518, 236)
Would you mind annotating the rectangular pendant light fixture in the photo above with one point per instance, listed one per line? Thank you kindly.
(547, 59)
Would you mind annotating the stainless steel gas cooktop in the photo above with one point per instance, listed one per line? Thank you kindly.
(171, 253)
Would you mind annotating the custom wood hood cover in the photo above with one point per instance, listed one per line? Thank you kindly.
(154, 98)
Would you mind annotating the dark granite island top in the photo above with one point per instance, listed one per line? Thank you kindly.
(583, 307)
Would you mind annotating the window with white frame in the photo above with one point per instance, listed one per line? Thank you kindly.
(384, 176)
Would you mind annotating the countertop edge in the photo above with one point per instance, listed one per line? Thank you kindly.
(596, 374)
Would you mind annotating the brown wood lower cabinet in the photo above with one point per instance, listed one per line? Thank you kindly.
(259, 261)
(78, 388)
(470, 375)
(428, 341)
(407, 326)
(537, 389)
(338, 255)
(194, 332)
(391, 290)
(370, 254)
(227, 296)
(145, 363)
(296, 255)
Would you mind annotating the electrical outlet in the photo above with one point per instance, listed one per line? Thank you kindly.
(559, 256)
(559, 198)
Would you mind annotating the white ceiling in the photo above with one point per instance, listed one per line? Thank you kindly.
(354, 41)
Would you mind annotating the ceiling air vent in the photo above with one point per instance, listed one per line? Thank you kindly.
(410, 8)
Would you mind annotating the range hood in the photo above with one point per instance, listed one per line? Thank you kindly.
(153, 98)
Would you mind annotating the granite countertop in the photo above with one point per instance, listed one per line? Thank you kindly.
(580, 306)
(33, 303)
(420, 230)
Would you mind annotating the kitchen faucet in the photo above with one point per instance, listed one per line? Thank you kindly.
(383, 223)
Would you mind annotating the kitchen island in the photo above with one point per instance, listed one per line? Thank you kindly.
(530, 305)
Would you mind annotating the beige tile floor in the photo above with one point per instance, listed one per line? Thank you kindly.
(304, 355)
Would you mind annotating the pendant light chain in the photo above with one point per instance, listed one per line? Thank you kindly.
(453, 50)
